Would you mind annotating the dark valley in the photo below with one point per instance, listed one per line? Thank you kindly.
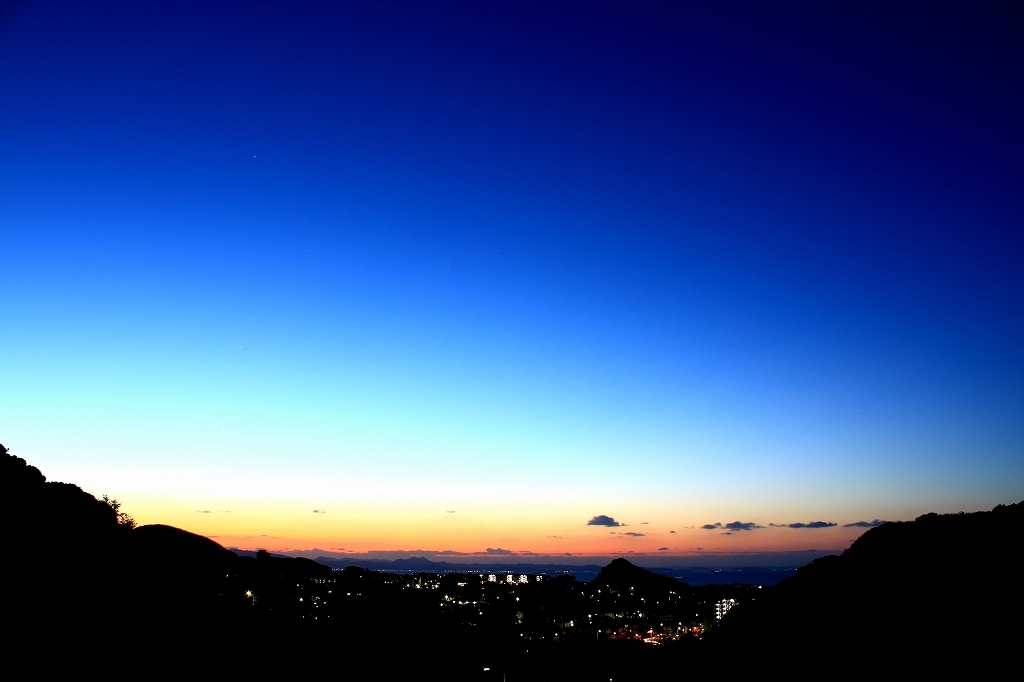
(85, 586)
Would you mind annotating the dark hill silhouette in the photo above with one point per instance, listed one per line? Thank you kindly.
(46, 526)
(940, 587)
(73, 565)
(266, 565)
(622, 575)
(167, 544)
(189, 568)
(33, 506)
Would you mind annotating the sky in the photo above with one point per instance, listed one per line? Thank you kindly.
(578, 278)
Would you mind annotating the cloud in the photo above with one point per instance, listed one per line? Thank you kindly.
(602, 520)
(812, 524)
(635, 535)
(450, 511)
(672, 531)
(733, 526)
(742, 525)
(203, 511)
(663, 549)
(864, 524)
(319, 511)
(645, 523)
(499, 550)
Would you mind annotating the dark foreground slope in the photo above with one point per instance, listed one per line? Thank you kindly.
(939, 589)
(62, 548)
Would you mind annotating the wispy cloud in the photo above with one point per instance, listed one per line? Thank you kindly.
(602, 520)
(812, 524)
(663, 549)
(319, 511)
(864, 524)
(634, 535)
(450, 511)
(203, 511)
(499, 550)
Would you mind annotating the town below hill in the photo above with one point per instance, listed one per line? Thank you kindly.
(87, 587)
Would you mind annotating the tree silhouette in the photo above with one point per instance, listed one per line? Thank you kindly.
(123, 518)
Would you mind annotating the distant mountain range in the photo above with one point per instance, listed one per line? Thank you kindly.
(424, 564)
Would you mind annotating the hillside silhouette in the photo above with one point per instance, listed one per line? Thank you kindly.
(939, 588)
(83, 583)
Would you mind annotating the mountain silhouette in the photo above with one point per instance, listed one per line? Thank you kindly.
(623, 575)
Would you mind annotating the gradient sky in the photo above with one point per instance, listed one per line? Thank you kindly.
(468, 275)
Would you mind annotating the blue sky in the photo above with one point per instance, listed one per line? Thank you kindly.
(691, 263)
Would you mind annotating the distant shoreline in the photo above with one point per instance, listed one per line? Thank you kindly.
(693, 575)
